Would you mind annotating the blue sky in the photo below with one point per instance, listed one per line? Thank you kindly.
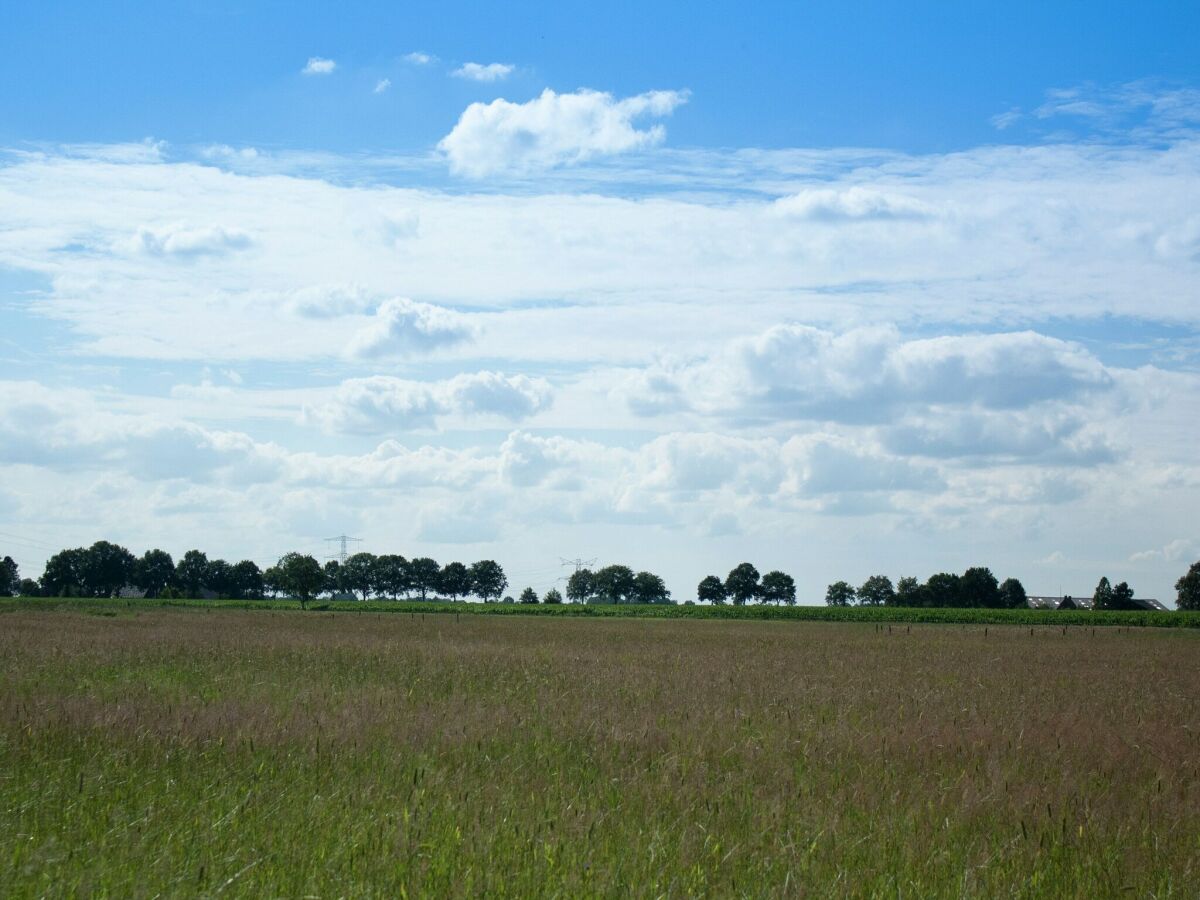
(915, 76)
(895, 289)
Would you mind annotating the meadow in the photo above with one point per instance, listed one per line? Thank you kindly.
(209, 751)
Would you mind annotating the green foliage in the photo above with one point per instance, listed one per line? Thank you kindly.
(423, 574)
(877, 591)
(711, 589)
(487, 580)
(192, 572)
(359, 574)
(154, 571)
(552, 597)
(978, 587)
(613, 584)
(650, 588)
(581, 586)
(454, 580)
(741, 584)
(778, 587)
(10, 577)
(528, 596)
(839, 593)
(1102, 598)
(1188, 589)
(1012, 594)
(301, 576)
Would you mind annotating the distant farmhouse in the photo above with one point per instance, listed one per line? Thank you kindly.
(1070, 602)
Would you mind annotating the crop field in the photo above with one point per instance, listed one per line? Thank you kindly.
(148, 751)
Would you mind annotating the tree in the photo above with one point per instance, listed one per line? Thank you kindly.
(424, 573)
(742, 584)
(1012, 594)
(877, 591)
(220, 578)
(978, 587)
(63, 575)
(192, 573)
(908, 592)
(711, 589)
(1188, 588)
(391, 575)
(839, 593)
(247, 580)
(529, 595)
(301, 576)
(454, 580)
(334, 584)
(29, 588)
(1102, 597)
(552, 597)
(154, 571)
(273, 580)
(779, 587)
(581, 586)
(106, 569)
(614, 584)
(942, 590)
(650, 588)
(10, 577)
(358, 573)
(1123, 597)
(487, 580)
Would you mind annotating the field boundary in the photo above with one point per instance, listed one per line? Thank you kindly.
(878, 614)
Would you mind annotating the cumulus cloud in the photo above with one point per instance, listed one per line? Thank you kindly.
(869, 375)
(852, 204)
(401, 327)
(553, 130)
(478, 72)
(1178, 550)
(330, 301)
(417, 58)
(382, 404)
(318, 65)
(184, 241)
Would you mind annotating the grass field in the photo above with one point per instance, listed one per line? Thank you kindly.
(186, 751)
(755, 612)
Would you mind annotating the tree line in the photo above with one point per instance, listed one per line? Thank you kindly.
(977, 587)
(104, 569)
(744, 585)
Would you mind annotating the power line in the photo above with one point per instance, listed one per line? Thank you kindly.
(343, 540)
(578, 563)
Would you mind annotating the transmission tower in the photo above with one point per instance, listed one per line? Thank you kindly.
(343, 540)
(578, 563)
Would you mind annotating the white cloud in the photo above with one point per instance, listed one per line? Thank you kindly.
(1178, 550)
(382, 85)
(382, 404)
(852, 204)
(1006, 119)
(318, 65)
(869, 375)
(403, 327)
(183, 241)
(479, 72)
(417, 58)
(553, 130)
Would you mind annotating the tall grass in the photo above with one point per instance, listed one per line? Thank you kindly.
(265, 753)
(877, 614)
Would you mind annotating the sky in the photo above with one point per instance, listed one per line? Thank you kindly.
(899, 289)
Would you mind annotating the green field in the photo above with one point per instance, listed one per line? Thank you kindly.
(877, 614)
(182, 751)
